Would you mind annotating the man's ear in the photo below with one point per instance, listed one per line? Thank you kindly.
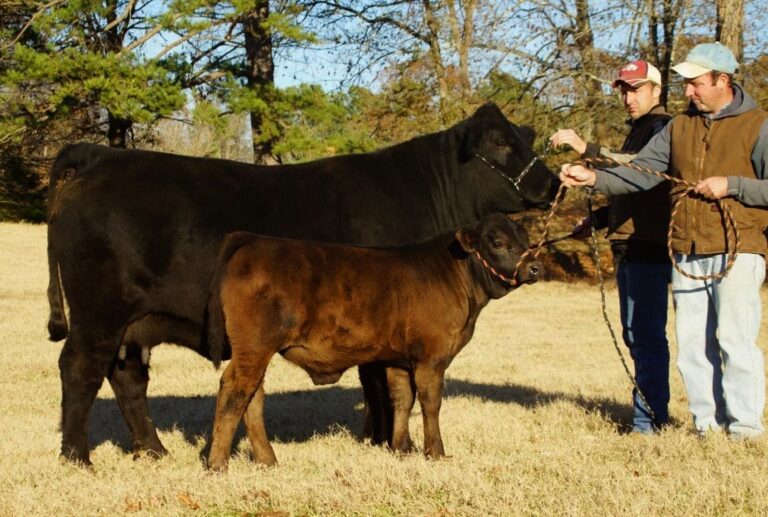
(467, 239)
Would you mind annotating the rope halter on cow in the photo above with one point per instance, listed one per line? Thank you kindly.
(516, 181)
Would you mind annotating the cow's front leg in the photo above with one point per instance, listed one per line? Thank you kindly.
(129, 378)
(401, 394)
(257, 433)
(429, 384)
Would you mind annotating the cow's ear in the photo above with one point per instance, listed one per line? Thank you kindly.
(468, 142)
(527, 134)
(467, 239)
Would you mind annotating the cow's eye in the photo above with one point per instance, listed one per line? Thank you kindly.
(498, 244)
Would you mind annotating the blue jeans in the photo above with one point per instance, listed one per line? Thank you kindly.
(717, 326)
(643, 301)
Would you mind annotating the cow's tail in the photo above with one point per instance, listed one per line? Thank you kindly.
(57, 319)
(69, 160)
(215, 344)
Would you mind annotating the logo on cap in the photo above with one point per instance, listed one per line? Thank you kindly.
(637, 73)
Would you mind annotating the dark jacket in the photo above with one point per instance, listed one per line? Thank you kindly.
(637, 223)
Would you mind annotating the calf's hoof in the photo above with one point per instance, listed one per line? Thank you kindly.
(217, 467)
(405, 447)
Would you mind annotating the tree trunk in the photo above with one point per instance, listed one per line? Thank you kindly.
(592, 87)
(663, 51)
(118, 127)
(730, 26)
(260, 76)
(436, 55)
(118, 130)
(462, 39)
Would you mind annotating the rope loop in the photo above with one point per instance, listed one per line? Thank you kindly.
(732, 239)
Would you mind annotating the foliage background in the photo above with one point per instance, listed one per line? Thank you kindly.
(271, 81)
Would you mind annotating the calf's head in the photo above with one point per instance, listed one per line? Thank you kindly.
(496, 246)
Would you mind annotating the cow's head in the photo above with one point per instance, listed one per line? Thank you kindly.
(495, 246)
(496, 148)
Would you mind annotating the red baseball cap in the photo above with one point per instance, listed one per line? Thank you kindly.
(637, 73)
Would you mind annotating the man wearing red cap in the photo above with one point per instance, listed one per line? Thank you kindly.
(720, 146)
(637, 232)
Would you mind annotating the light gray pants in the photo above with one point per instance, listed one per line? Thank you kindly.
(717, 322)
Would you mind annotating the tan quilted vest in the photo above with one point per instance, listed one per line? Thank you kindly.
(701, 148)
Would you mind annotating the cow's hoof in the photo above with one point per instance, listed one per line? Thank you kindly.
(152, 454)
(75, 461)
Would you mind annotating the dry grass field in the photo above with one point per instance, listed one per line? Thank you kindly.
(534, 422)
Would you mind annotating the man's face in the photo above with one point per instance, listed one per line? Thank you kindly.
(708, 95)
(639, 100)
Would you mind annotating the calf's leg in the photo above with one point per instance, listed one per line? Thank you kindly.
(401, 393)
(257, 433)
(238, 385)
(429, 385)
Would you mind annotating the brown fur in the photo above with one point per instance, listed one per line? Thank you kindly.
(327, 308)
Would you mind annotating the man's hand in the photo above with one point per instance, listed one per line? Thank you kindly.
(715, 187)
(569, 137)
(583, 228)
(577, 176)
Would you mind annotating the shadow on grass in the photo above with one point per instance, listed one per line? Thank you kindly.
(296, 416)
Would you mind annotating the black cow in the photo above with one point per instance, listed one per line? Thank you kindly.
(133, 237)
(328, 307)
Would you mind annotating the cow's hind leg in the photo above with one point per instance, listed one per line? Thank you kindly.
(429, 384)
(129, 378)
(83, 363)
(378, 416)
(401, 393)
(257, 433)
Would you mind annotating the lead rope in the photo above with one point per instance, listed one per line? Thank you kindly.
(604, 308)
(596, 256)
(732, 244)
(732, 239)
(536, 250)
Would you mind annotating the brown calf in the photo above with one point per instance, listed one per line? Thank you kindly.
(328, 307)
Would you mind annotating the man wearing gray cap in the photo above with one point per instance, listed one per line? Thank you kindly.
(720, 145)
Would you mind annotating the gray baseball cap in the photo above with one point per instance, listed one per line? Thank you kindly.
(705, 57)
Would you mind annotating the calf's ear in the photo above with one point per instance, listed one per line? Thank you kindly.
(467, 239)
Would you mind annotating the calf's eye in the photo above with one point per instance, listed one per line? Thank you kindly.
(498, 244)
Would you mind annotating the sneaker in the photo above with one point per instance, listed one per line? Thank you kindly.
(742, 436)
